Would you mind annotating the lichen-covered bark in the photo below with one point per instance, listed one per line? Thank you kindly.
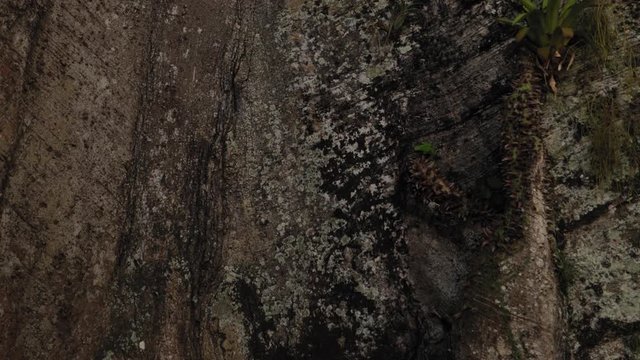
(232, 180)
(598, 222)
(144, 214)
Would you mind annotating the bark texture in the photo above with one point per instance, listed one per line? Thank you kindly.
(189, 179)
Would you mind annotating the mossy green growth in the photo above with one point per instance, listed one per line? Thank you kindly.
(610, 137)
(599, 30)
(526, 87)
(614, 128)
(425, 148)
(399, 13)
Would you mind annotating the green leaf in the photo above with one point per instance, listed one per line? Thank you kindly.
(522, 33)
(513, 22)
(505, 21)
(528, 5)
(553, 13)
(518, 18)
(566, 9)
(425, 148)
(536, 33)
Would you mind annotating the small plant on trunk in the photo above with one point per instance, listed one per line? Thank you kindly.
(546, 27)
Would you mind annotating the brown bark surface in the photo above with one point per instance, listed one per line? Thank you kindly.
(190, 179)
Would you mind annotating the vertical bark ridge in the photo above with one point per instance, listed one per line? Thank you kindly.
(28, 77)
(169, 253)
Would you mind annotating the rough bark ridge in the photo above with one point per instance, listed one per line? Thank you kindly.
(168, 259)
(518, 295)
(65, 132)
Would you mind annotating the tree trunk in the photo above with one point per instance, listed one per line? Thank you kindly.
(236, 179)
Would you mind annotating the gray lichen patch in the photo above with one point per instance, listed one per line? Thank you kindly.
(331, 281)
(605, 297)
(569, 141)
(597, 219)
(592, 124)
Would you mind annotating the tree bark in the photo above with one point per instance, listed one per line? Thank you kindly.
(231, 180)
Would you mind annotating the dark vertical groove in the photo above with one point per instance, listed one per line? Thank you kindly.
(125, 242)
(206, 187)
(29, 78)
(203, 201)
(125, 313)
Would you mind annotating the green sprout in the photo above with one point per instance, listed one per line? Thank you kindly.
(425, 148)
(526, 88)
(398, 16)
